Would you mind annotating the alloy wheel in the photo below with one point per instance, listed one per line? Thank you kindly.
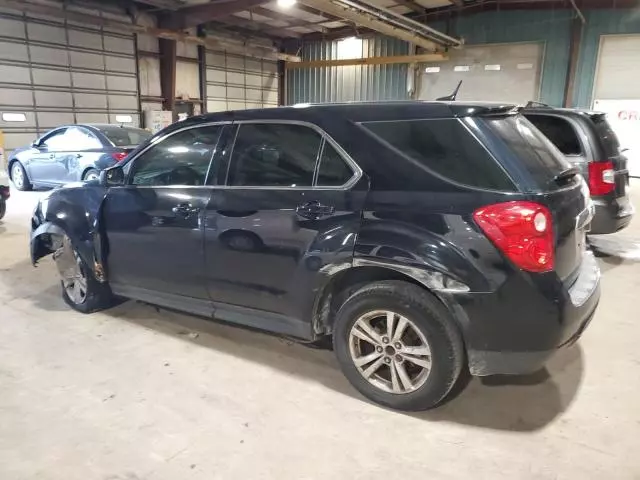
(74, 280)
(390, 351)
(17, 176)
(92, 176)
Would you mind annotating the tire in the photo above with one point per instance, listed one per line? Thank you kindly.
(91, 174)
(19, 177)
(3, 208)
(83, 293)
(427, 324)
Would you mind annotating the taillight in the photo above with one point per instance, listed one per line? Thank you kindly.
(601, 178)
(523, 231)
(119, 156)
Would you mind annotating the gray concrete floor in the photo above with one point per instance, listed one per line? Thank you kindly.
(141, 393)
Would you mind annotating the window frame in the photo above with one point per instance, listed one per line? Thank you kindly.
(158, 140)
(324, 138)
(49, 135)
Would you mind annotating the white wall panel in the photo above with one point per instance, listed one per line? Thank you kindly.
(14, 96)
(13, 51)
(187, 80)
(47, 98)
(150, 77)
(618, 68)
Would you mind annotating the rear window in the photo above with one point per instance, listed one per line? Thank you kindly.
(535, 151)
(607, 136)
(559, 131)
(124, 136)
(446, 147)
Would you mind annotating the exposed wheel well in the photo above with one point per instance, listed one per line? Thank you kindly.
(10, 167)
(343, 285)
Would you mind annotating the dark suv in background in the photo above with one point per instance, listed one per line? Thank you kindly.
(423, 237)
(588, 143)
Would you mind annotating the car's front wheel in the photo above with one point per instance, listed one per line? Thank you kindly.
(19, 177)
(397, 345)
(80, 289)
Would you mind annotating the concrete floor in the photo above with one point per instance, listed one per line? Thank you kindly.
(141, 393)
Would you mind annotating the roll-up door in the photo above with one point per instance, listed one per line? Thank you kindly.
(235, 82)
(58, 72)
(501, 73)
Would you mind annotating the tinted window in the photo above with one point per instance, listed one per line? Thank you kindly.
(559, 131)
(274, 155)
(181, 159)
(124, 136)
(333, 171)
(535, 151)
(608, 138)
(81, 139)
(55, 142)
(444, 147)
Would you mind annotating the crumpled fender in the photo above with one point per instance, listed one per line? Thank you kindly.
(75, 211)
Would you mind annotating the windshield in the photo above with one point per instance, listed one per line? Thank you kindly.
(124, 136)
(607, 136)
(538, 155)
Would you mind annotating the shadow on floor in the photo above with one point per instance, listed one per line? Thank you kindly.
(525, 403)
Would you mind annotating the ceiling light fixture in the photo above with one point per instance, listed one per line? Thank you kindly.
(286, 3)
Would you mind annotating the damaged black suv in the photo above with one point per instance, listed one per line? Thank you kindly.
(424, 238)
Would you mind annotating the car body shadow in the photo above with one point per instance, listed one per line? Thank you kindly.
(515, 403)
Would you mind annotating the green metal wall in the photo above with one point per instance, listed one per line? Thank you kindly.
(599, 22)
(549, 26)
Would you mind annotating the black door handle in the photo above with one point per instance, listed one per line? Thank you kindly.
(185, 210)
(52, 156)
(314, 210)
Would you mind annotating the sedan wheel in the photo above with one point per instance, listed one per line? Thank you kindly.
(17, 176)
(390, 352)
(92, 175)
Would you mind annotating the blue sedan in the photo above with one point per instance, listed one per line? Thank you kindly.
(72, 153)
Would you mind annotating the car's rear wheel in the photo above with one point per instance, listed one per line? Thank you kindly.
(91, 174)
(3, 208)
(19, 177)
(397, 345)
(80, 289)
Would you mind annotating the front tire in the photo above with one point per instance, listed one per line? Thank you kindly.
(19, 177)
(91, 174)
(80, 289)
(398, 346)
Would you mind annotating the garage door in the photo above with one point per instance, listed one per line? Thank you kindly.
(617, 91)
(235, 82)
(53, 75)
(505, 72)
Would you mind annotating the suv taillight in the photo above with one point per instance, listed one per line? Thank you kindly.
(601, 178)
(523, 231)
(119, 156)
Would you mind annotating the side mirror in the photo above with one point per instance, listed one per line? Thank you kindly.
(35, 144)
(112, 177)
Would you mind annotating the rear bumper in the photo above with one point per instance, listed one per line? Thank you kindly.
(611, 215)
(515, 331)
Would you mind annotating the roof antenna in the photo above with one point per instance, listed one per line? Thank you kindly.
(452, 97)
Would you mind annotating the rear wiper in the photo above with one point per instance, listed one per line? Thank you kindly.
(565, 175)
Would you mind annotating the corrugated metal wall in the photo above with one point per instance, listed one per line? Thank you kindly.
(599, 22)
(352, 83)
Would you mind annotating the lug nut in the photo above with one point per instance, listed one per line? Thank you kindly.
(387, 360)
(398, 345)
(379, 349)
(398, 358)
(385, 340)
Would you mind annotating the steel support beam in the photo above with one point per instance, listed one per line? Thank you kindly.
(428, 57)
(199, 14)
(168, 61)
(574, 52)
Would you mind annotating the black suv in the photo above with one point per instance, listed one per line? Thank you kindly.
(588, 142)
(423, 237)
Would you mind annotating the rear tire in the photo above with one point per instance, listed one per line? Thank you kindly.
(80, 289)
(19, 177)
(411, 360)
(3, 208)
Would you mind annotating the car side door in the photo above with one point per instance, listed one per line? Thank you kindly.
(154, 222)
(288, 205)
(42, 166)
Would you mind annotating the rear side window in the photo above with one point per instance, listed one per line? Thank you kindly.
(333, 171)
(535, 151)
(559, 131)
(446, 147)
(124, 136)
(274, 155)
(608, 138)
